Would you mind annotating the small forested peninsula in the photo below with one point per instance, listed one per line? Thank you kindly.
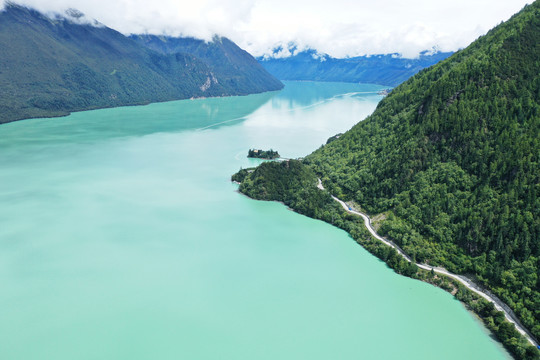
(263, 154)
(51, 65)
(450, 160)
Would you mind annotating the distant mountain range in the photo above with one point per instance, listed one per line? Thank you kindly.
(50, 66)
(390, 69)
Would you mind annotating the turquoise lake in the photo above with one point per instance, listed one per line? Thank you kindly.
(122, 237)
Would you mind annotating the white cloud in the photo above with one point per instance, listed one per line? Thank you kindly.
(338, 27)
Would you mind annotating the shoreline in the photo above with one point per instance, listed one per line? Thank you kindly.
(468, 283)
(65, 113)
(302, 191)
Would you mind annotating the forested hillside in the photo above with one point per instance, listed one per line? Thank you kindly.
(236, 67)
(50, 66)
(451, 157)
(389, 70)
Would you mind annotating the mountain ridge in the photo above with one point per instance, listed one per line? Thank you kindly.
(450, 159)
(224, 56)
(387, 69)
(51, 66)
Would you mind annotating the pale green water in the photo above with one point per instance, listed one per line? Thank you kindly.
(121, 237)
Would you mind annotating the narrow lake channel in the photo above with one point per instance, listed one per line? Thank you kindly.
(122, 237)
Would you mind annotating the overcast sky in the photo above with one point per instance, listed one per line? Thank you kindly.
(337, 27)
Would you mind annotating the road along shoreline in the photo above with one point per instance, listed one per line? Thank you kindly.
(468, 283)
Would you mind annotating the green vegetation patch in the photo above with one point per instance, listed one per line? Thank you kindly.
(263, 154)
(451, 157)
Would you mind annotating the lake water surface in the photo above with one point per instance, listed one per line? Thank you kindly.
(122, 237)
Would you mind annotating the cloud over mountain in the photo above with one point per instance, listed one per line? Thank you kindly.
(340, 27)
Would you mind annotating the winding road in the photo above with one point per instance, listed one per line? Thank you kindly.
(498, 303)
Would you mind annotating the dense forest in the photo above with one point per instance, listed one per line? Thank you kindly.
(263, 154)
(294, 183)
(51, 65)
(451, 158)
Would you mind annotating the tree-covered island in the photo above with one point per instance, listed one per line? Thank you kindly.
(263, 154)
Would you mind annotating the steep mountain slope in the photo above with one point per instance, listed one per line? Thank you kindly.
(235, 66)
(451, 158)
(49, 67)
(390, 70)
